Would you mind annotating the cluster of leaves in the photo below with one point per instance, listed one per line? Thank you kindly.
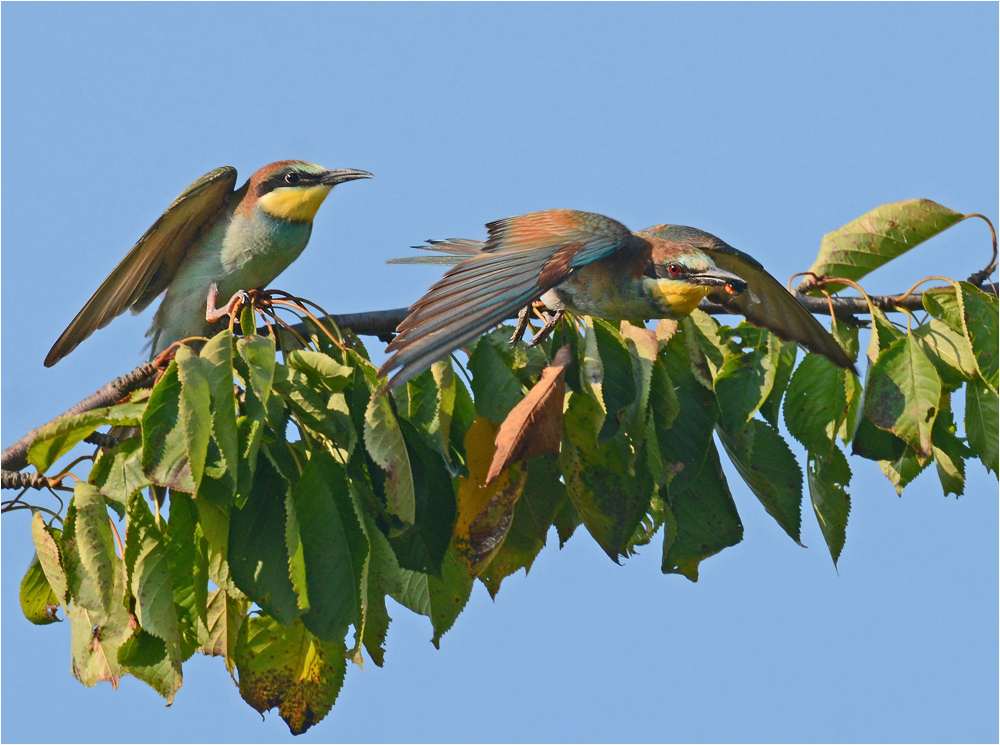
(289, 495)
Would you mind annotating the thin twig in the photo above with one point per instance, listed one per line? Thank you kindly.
(15, 457)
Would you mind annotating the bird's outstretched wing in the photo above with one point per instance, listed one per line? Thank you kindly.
(148, 268)
(523, 258)
(766, 303)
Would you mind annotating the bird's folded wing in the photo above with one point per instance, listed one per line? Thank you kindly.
(523, 258)
(769, 305)
(148, 268)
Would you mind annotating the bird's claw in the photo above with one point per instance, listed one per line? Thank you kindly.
(522, 325)
(550, 323)
(214, 314)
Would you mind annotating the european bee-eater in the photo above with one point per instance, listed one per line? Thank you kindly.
(589, 264)
(212, 241)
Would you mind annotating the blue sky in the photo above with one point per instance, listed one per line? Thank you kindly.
(768, 125)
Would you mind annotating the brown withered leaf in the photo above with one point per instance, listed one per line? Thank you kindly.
(534, 426)
(485, 511)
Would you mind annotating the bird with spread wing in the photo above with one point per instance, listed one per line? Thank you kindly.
(588, 264)
(213, 241)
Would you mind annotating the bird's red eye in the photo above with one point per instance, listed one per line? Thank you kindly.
(674, 268)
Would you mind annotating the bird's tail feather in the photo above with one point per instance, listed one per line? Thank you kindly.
(455, 250)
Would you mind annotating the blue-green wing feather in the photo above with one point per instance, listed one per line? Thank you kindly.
(523, 258)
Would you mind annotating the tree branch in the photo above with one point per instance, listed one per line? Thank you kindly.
(383, 323)
(15, 457)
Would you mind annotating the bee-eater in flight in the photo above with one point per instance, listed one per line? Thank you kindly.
(213, 241)
(589, 264)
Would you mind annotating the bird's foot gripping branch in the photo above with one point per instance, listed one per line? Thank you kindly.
(289, 496)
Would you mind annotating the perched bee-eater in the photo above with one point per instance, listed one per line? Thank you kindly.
(589, 264)
(213, 241)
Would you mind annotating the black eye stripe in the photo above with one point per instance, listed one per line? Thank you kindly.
(278, 180)
(665, 271)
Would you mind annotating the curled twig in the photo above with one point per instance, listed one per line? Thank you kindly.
(978, 278)
(23, 480)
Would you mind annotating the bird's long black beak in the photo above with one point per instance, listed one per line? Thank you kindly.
(340, 175)
(720, 278)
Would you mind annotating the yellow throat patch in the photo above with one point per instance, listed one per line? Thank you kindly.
(298, 204)
(679, 298)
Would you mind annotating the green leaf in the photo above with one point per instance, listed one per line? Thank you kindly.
(94, 545)
(879, 236)
(982, 329)
(417, 402)
(981, 415)
(384, 578)
(325, 415)
(663, 404)
(846, 335)
(943, 303)
(747, 375)
(612, 373)
(385, 444)
(816, 403)
(883, 334)
(217, 365)
(188, 563)
(543, 496)
(608, 489)
(333, 545)
(412, 592)
(38, 602)
(249, 432)
(706, 346)
(149, 578)
(902, 394)
(176, 425)
(950, 352)
(787, 354)
(702, 520)
(213, 521)
(566, 522)
(422, 546)
(875, 444)
(248, 320)
(495, 388)
(146, 657)
(117, 473)
(684, 445)
(867, 440)
(950, 451)
(903, 469)
(446, 399)
(258, 554)
(97, 636)
(321, 370)
(256, 365)
(764, 460)
(289, 668)
(225, 615)
(49, 556)
(448, 594)
(829, 477)
(55, 439)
